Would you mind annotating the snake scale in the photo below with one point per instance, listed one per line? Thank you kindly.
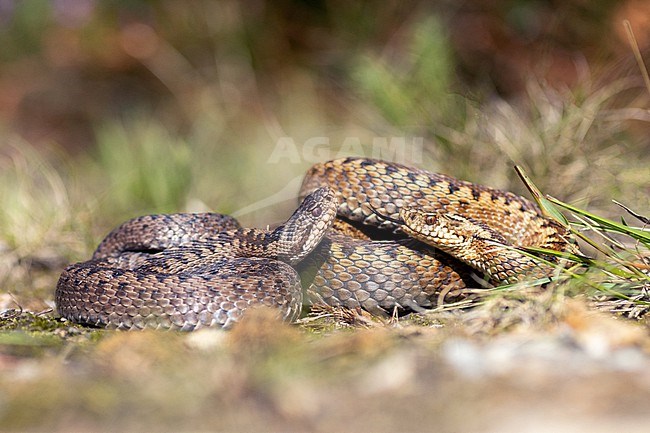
(371, 234)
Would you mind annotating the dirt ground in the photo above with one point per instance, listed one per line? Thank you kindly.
(564, 368)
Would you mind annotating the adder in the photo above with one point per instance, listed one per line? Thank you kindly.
(368, 233)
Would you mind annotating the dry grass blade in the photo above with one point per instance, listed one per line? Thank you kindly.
(324, 317)
(637, 54)
(643, 219)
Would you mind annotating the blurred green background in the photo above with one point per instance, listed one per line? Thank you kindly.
(114, 109)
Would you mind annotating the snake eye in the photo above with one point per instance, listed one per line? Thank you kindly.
(430, 219)
(317, 211)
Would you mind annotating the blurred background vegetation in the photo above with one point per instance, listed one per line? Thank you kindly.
(116, 108)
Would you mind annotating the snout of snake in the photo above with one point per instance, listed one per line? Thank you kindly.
(191, 270)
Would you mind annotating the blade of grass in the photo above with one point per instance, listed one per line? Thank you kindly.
(606, 224)
(577, 258)
(640, 217)
(547, 207)
(607, 251)
(637, 54)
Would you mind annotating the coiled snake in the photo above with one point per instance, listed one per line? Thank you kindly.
(368, 233)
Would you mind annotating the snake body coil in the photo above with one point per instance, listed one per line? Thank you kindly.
(191, 270)
(187, 271)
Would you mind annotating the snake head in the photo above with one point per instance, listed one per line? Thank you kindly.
(306, 227)
(448, 232)
(435, 229)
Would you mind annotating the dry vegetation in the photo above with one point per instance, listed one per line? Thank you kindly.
(572, 358)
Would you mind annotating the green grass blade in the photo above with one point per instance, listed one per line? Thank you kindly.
(548, 209)
(606, 224)
(577, 258)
